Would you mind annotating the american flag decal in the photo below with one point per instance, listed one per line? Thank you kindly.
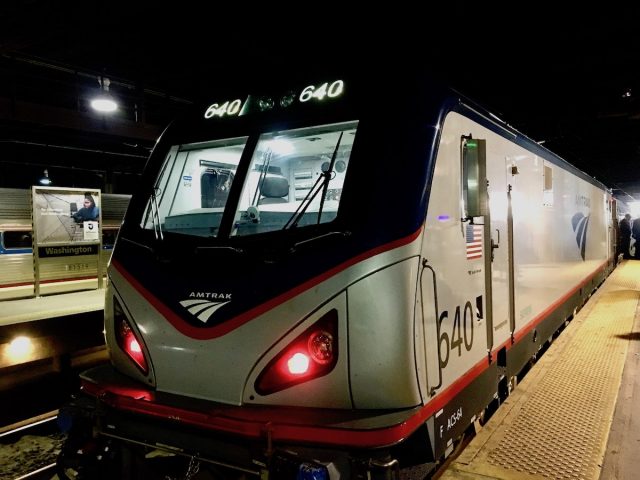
(474, 241)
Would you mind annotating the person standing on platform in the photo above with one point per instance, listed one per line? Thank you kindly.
(635, 231)
(625, 236)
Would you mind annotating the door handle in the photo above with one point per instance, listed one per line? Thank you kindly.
(495, 245)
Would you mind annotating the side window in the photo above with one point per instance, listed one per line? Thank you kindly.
(547, 189)
(473, 171)
(215, 183)
(17, 239)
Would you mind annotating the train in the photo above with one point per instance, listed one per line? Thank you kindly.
(332, 279)
(16, 247)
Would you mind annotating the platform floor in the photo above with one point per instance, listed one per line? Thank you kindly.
(576, 414)
(50, 306)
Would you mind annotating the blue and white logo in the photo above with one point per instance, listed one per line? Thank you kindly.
(580, 224)
(202, 309)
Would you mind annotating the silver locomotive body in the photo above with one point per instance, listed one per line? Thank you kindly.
(303, 289)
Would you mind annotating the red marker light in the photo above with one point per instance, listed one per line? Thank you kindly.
(134, 346)
(298, 364)
(313, 354)
(126, 338)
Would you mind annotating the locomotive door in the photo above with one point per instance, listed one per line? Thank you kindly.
(488, 207)
(499, 240)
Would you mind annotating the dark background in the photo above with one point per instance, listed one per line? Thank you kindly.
(568, 79)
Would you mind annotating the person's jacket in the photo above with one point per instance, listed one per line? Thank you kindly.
(625, 228)
(86, 214)
(636, 228)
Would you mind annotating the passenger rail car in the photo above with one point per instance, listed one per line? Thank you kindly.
(335, 280)
(16, 249)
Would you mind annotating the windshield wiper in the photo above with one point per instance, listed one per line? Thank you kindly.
(155, 214)
(266, 161)
(137, 244)
(306, 242)
(327, 177)
(313, 193)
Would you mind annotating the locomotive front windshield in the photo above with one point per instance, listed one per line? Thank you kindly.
(294, 178)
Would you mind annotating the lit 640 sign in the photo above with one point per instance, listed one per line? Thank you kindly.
(321, 92)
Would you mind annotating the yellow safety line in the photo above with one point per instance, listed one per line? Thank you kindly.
(556, 423)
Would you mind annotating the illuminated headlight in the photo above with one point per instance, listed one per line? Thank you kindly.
(298, 363)
(313, 354)
(127, 339)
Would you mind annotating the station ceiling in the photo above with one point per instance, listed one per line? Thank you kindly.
(568, 82)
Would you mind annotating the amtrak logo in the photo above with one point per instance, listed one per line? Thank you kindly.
(580, 224)
(201, 308)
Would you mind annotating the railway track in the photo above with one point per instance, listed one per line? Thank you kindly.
(28, 449)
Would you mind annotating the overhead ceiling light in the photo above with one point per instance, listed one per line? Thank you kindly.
(104, 102)
(45, 180)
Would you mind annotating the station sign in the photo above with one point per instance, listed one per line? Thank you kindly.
(67, 234)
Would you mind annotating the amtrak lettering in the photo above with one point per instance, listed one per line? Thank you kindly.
(211, 295)
(583, 201)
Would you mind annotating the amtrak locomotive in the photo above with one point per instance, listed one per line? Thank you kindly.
(331, 280)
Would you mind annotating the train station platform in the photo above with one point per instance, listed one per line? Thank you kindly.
(48, 334)
(575, 414)
(50, 306)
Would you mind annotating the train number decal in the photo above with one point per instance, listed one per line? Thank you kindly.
(459, 333)
(452, 420)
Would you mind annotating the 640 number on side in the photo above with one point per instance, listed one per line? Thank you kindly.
(461, 332)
